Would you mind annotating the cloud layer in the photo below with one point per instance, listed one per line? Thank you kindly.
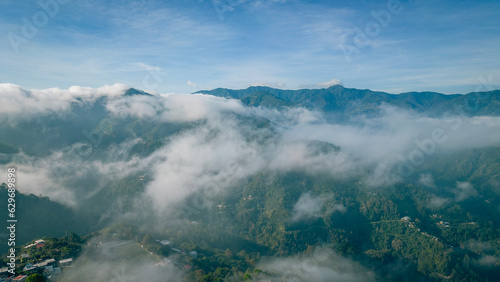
(228, 141)
(307, 207)
(322, 265)
(101, 261)
(18, 103)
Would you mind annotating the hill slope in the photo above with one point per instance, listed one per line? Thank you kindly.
(355, 101)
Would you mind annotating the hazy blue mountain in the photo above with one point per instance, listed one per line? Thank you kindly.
(356, 101)
(39, 216)
(276, 209)
(265, 99)
(133, 91)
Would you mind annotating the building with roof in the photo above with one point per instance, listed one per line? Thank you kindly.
(4, 270)
(29, 267)
(19, 278)
(65, 262)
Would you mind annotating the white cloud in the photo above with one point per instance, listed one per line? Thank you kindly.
(322, 265)
(192, 84)
(310, 207)
(427, 179)
(147, 67)
(488, 261)
(464, 191)
(461, 192)
(307, 207)
(18, 103)
(399, 137)
(219, 145)
(297, 154)
(195, 159)
(436, 202)
(339, 208)
(174, 107)
(329, 83)
(113, 264)
(36, 179)
(269, 84)
(72, 177)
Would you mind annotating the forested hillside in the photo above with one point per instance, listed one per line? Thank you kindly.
(262, 184)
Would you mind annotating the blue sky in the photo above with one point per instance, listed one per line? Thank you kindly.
(184, 46)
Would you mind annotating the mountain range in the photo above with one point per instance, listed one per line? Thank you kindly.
(258, 181)
(350, 101)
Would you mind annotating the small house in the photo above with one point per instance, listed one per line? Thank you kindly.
(19, 278)
(29, 267)
(65, 262)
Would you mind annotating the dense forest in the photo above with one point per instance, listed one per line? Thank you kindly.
(249, 192)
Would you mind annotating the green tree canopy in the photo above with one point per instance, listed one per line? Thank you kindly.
(35, 278)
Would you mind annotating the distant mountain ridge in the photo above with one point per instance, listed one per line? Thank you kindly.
(357, 101)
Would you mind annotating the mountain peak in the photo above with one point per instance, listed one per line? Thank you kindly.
(133, 92)
(336, 87)
(337, 98)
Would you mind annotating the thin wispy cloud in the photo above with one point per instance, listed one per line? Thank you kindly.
(329, 83)
(291, 42)
(218, 145)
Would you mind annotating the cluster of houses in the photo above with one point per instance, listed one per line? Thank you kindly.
(440, 223)
(406, 218)
(48, 267)
(13, 278)
(412, 225)
(143, 177)
(38, 243)
(166, 261)
(443, 223)
(221, 207)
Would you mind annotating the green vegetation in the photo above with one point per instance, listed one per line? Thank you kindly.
(265, 99)
(36, 278)
(232, 236)
(253, 221)
(69, 246)
(400, 232)
(351, 101)
(42, 217)
(6, 149)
